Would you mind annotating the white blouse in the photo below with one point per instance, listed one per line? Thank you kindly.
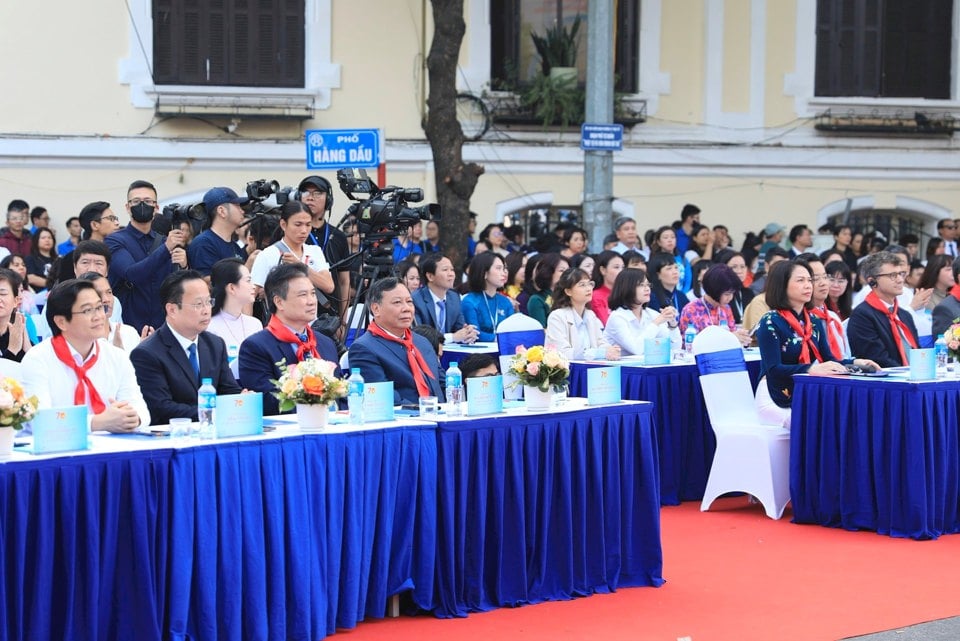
(628, 331)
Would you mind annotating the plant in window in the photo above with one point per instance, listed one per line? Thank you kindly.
(555, 101)
(558, 47)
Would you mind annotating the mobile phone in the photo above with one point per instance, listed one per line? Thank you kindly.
(13, 316)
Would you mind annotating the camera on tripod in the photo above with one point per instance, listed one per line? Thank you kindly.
(385, 213)
(174, 214)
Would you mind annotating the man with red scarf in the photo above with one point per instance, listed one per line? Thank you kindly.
(949, 309)
(287, 337)
(75, 368)
(389, 351)
(878, 329)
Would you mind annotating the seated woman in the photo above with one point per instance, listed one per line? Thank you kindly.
(14, 342)
(791, 341)
(631, 321)
(664, 275)
(233, 291)
(572, 328)
(719, 284)
(605, 270)
(483, 307)
(545, 278)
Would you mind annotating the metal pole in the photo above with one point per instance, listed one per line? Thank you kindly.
(598, 165)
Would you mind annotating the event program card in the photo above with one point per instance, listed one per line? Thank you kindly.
(239, 415)
(484, 395)
(60, 429)
(603, 385)
(378, 402)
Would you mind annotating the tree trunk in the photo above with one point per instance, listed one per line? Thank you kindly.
(455, 179)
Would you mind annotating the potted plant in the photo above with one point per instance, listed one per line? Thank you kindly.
(310, 386)
(541, 372)
(16, 408)
(558, 49)
(554, 100)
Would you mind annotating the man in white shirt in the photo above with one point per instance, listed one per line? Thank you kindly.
(75, 368)
(626, 230)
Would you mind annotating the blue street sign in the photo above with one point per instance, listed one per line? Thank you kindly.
(601, 137)
(336, 148)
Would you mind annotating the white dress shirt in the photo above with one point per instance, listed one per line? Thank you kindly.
(626, 330)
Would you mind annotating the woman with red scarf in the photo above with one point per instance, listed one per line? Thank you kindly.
(791, 341)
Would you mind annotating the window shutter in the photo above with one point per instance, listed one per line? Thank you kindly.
(917, 52)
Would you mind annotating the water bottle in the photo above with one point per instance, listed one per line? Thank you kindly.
(724, 324)
(355, 396)
(207, 408)
(688, 337)
(454, 390)
(940, 348)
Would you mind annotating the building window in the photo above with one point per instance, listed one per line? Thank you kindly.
(884, 48)
(229, 43)
(514, 59)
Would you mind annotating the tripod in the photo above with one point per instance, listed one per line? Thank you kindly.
(375, 264)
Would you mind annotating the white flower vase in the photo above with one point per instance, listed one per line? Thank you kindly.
(312, 418)
(536, 400)
(6, 442)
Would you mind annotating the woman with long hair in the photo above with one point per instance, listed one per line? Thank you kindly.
(842, 237)
(545, 278)
(584, 261)
(572, 328)
(631, 321)
(701, 245)
(935, 247)
(515, 261)
(233, 292)
(840, 297)
(43, 252)
(938, 276)
(407, 272)
(699, 268)
(529, 288)
(664, 275)
(791, 341)
(743, 295)
(606, 268)
(484, 307)
(26, 296)
(665, 241)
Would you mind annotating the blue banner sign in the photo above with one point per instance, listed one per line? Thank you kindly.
(336, 148)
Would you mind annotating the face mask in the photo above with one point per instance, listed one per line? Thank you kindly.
(142, 213)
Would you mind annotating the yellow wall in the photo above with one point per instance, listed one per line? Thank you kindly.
(682, 56)
(780, 60)
(736, 56)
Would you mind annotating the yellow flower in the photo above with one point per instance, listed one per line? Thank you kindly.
(518, 367)
(289, 387)
(535, 354)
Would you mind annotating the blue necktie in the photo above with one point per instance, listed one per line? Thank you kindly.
(194, 362)
(442, 315)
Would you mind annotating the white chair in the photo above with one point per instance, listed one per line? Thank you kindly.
(9, 369)
(512, 332)
(750, 457)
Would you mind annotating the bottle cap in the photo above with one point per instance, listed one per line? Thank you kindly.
(453, 364)
(354, 370)
(206, 381)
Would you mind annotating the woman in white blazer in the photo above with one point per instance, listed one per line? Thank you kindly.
(631, 322)
(572, 328)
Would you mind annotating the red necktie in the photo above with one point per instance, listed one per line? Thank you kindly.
(897, 326)
(283, 333)
(834, 330)
(805, 333)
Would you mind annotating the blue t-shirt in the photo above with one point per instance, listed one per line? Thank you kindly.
(207, 248)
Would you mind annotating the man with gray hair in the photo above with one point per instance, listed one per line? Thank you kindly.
(878, 329)
(627, 238)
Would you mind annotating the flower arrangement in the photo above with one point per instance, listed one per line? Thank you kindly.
(310, 382)
(16, 408)
(952, 336)
(540, 368)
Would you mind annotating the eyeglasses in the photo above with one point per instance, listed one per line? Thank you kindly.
(820, 278)
(198, 306)
(895, 275)
(110, 218)
(645, 284)
(586, 284)
(90, 311)
(133, 202)
(838, 279)
(312, 194)
(16, 219)
(949, 226)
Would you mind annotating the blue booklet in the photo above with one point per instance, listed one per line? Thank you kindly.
(60, 429)
(484, 395)
(378, 402)
(239, 415)
(603, 385)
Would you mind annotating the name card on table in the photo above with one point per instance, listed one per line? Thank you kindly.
(60, 429)
(923, 364)
(239, 415)
(656, 351)
(378, 402)
(603, 386)
(484, 395)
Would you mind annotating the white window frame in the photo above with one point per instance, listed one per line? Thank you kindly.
(321, 74)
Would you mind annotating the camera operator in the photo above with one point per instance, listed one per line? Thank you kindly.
(225, 213)
(142, 258)
(316, 192)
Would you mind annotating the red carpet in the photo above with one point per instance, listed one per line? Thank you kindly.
(734, 575)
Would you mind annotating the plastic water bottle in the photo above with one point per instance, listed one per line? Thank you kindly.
(940, 348)
(688, 337)
(454, 390)
(355, 396)
(207, 408)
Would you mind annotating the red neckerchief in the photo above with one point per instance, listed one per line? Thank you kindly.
(805, 333)
(414, 358)
(834, 330)
(85, 386)
(955, 291)
(283, 333)
(897, 326)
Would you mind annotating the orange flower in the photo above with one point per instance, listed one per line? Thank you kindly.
(313, 385)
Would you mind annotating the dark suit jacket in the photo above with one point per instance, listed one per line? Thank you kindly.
(870, 337)
(136, 273)
(426, 310)
(258, 358)
(166, 377)
(382, 360)
(944, 314)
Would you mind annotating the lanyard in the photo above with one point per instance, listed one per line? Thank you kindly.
(326, 237)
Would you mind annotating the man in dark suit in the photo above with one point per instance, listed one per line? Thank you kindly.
(287, 337)
(878, 329)
(171, 363)
(438, 302)
(389, 351)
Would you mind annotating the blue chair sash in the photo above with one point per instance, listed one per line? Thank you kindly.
(728, 360)
(509, 341)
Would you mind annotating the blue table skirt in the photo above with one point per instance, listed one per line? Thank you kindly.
(538, 508)
(83, 547)
(294, 538)
(876, 455)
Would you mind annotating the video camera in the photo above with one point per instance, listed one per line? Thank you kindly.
(385, 213)
(174, 214)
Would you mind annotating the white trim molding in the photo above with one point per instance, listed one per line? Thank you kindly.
(714, 81)
(540, 199)
(321, 74)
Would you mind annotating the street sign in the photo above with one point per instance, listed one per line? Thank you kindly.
(336, 148)
(601, 137)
